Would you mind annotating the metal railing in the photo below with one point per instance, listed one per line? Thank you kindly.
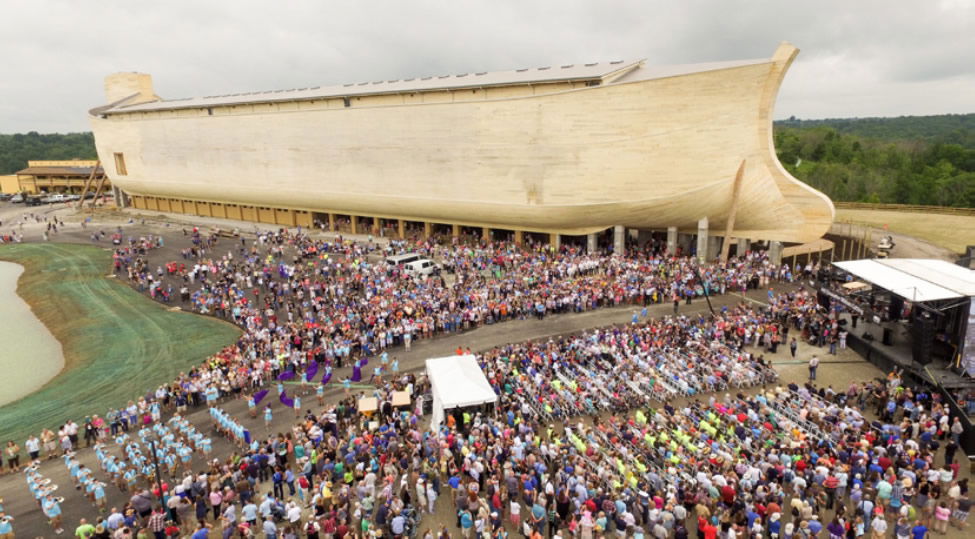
(916, 208)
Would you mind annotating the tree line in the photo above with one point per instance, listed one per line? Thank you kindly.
(17, 149)
(909, 160)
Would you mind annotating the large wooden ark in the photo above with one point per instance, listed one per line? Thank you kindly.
(560, 149)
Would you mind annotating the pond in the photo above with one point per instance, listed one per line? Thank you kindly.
(30, 355)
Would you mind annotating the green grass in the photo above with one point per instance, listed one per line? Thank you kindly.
(953, 232)
(117, 343)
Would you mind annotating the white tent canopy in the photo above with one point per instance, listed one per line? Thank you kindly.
(915, 279)
(457, 382)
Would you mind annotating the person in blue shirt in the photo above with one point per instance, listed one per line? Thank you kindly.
(751, 515)
(775, 524)
(268, 416)
(99, 492)
(815, 526)
(249, 513)
(270, 529)
(919, 531)
(202, 531)
(52, 510)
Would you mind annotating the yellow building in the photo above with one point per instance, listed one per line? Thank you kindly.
(571, 149)
(9, 184)
(56, 177)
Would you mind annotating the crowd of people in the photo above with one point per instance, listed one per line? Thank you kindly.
(796, 461)
(644, 429)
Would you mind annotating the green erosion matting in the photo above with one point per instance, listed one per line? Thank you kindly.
(117, 343)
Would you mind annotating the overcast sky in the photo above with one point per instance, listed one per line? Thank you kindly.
(857, 57)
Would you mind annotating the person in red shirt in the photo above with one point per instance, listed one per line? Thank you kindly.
(709, 530)
(728, 495)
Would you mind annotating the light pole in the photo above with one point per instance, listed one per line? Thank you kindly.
(155, 463)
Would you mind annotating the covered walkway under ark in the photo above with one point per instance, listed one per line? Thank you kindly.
(705, 243)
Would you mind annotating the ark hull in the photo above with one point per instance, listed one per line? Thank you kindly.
(641, 151)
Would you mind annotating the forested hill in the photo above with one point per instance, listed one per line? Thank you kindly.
(16, 150)
(946, 128)
(906, 160)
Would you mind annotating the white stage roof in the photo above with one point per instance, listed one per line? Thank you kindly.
(915, 279)
(457, 381)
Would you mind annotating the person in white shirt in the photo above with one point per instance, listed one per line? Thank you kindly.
(293, 513)
(878, 526)
(33, 447)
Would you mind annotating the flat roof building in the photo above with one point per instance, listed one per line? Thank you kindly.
(46, 176)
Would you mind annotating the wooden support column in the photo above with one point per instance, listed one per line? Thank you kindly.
(401, 228)
(486, 234)
(376, 226)
(775, 252)
(619, 240)
(671, 240)
(355, 224)
(555, 241)
(519, 238)
(455, 231)
(703, 230)
(427, 229)
(98, 192)
(730, 225)
(91, 177)
(331, 222)
(743, 245)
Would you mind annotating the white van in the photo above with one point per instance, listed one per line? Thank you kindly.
(422, 267)
(402, 260)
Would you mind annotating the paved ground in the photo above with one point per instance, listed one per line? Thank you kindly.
(916, 235)
(836, 371)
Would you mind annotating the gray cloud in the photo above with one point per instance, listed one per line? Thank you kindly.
(860, 58)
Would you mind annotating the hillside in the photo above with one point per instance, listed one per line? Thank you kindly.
(946, 128)
(16, 150)
(908, 160)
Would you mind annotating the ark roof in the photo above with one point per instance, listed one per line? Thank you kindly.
(603, 72)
